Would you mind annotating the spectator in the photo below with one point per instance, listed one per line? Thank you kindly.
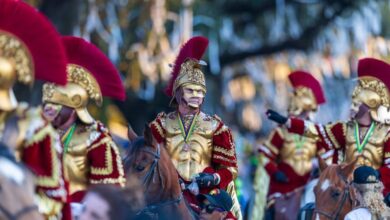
(216, 206)
(105, 202)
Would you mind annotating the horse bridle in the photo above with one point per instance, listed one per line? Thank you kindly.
(18, 214)
(346, 195)
(146, 181)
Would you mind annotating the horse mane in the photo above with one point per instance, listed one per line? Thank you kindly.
(134, 148)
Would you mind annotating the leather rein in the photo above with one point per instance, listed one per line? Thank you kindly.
(341, 203)
(147, 179)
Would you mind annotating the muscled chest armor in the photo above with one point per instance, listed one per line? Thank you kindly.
(76, 163)
(193, 156)
(372, 153)
(297, 152)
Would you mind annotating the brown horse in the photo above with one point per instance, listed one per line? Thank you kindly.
(16, 190)
(151, 164)
(335, 196)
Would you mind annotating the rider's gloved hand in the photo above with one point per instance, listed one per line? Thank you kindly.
(387, 199)
(276, 117)
(280, 177)
(207, 180)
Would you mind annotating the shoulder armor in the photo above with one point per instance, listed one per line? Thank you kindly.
(218, 125)
(94, 131)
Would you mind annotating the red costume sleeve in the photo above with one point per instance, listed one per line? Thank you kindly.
(271, 149)
(157, 127)
(105, 161)
(41, 156)
(224, 158)
(385, 169)
(331, 136)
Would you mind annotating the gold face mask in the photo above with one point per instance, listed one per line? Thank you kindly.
(302, 100)
(374, 94)
(193, 95)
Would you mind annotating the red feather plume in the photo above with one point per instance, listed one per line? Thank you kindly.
(39, 36)
(301, 78)
(375, 68)
(87, 55)
(194, 48)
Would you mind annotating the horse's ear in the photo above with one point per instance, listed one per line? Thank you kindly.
(322, 164)
(349, 168)
(131, 133)
(148, 135)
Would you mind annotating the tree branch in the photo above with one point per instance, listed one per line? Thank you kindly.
(303, 42)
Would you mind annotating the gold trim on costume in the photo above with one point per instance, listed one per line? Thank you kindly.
(53, 180)
(222, 158)
(224, 151)
(47, 130)
(107, 160)
(159, 128)
(221, 130)
(110, 145)
(120, 180)
(102, 141)
(332, 137)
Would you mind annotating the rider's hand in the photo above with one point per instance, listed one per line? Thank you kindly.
(387, 199)
(276, 117)
(280, 177)
(207, 180)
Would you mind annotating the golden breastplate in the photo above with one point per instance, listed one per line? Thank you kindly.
(76, 165)
(297, 152)
(372, 153)
(194, 156)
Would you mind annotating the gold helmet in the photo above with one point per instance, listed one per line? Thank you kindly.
(308, 94)
(373, 89)
(187, 67)
(91, 75)
(25, 52)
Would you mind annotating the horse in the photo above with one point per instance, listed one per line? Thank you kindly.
(17, 189)
(151, 164)
(335, 195)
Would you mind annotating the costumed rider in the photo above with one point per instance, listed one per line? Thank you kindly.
(201, 146)
(288, 156)
(90, 155)
(30, 48)
(366, 135)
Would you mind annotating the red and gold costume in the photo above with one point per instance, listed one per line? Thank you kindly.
(369, 144)
(90, 155)
(197, 143)
(290, 153)
(31, 48)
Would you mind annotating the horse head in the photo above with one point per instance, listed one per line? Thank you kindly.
(149, 162)
(334, 194)
(143, 162)
(17, 189)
